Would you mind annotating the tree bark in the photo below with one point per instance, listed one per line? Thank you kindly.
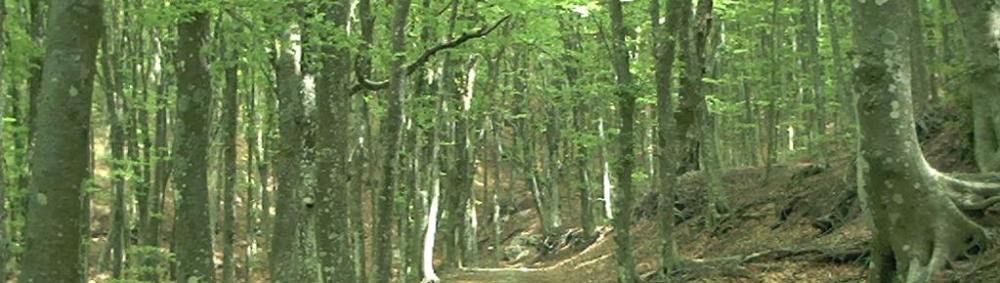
(919, 76)
(983, 77)
(230, 111)
(284, 260)
(332, 150)
(921, 217)
(4, 235)
(626, 107)
(392, 130)
(665, 46)
(53, 228)
(193, 242)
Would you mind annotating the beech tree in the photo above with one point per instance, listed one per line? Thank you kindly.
(922, 218)
(54, 230)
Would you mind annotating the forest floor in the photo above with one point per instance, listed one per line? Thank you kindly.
(798, 222)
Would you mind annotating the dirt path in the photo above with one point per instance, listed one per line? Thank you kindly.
(561, 271)
(499, 275)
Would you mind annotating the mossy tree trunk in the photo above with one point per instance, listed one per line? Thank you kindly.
(193, 242)
(392, 130)
(626, 143)
(921, 217)
(61, 161)
(285, 261)
(665, 51)
(230, 111)
(332, 149)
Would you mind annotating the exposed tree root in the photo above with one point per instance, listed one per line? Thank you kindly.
(734, 266)
(952, 212)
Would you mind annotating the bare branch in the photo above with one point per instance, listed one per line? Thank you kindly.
(366, 84)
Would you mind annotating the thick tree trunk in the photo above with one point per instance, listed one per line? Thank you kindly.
(284, 260)
(332, 150)
(54, 227)
(193, 242)
(920, 220)
(983, 77)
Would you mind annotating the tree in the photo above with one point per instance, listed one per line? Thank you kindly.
(4, 238)
(192, 241)
(625, 90)
(665, 46)
(921, 216)
(983, 78)
(230, 111)
(392, 128)
(61, 159)
(288, 75)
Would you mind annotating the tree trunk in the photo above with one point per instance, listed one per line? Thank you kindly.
(4, 235)
(846, 118)
(392, 129)
(194, 83)
(606, 186)
(983, 77)
(285, 262)
(920, 220)
(815, 67)
(114, 97)
(665, 46)
(919, 76)
(53, 228)
(626, 107)
(465, 171)
(250, 139)
(230, 111)
(332, 150)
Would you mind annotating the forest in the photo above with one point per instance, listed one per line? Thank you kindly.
(467, 141)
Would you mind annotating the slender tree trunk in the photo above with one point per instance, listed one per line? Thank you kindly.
(626, 107)
(465, 173)
(250, 138)
(230, 111)
(919, 76)
(4, 233)
(665, 45)
(815, 67)
(392, 129)
(54, 227)
(606, 186)
(983, 77)
(114, 97)
(846, 118)
(434, 170)
(772, 105)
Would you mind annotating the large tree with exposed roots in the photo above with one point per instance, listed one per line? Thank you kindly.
(922, 218)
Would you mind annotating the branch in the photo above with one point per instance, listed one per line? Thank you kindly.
(366, 84)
